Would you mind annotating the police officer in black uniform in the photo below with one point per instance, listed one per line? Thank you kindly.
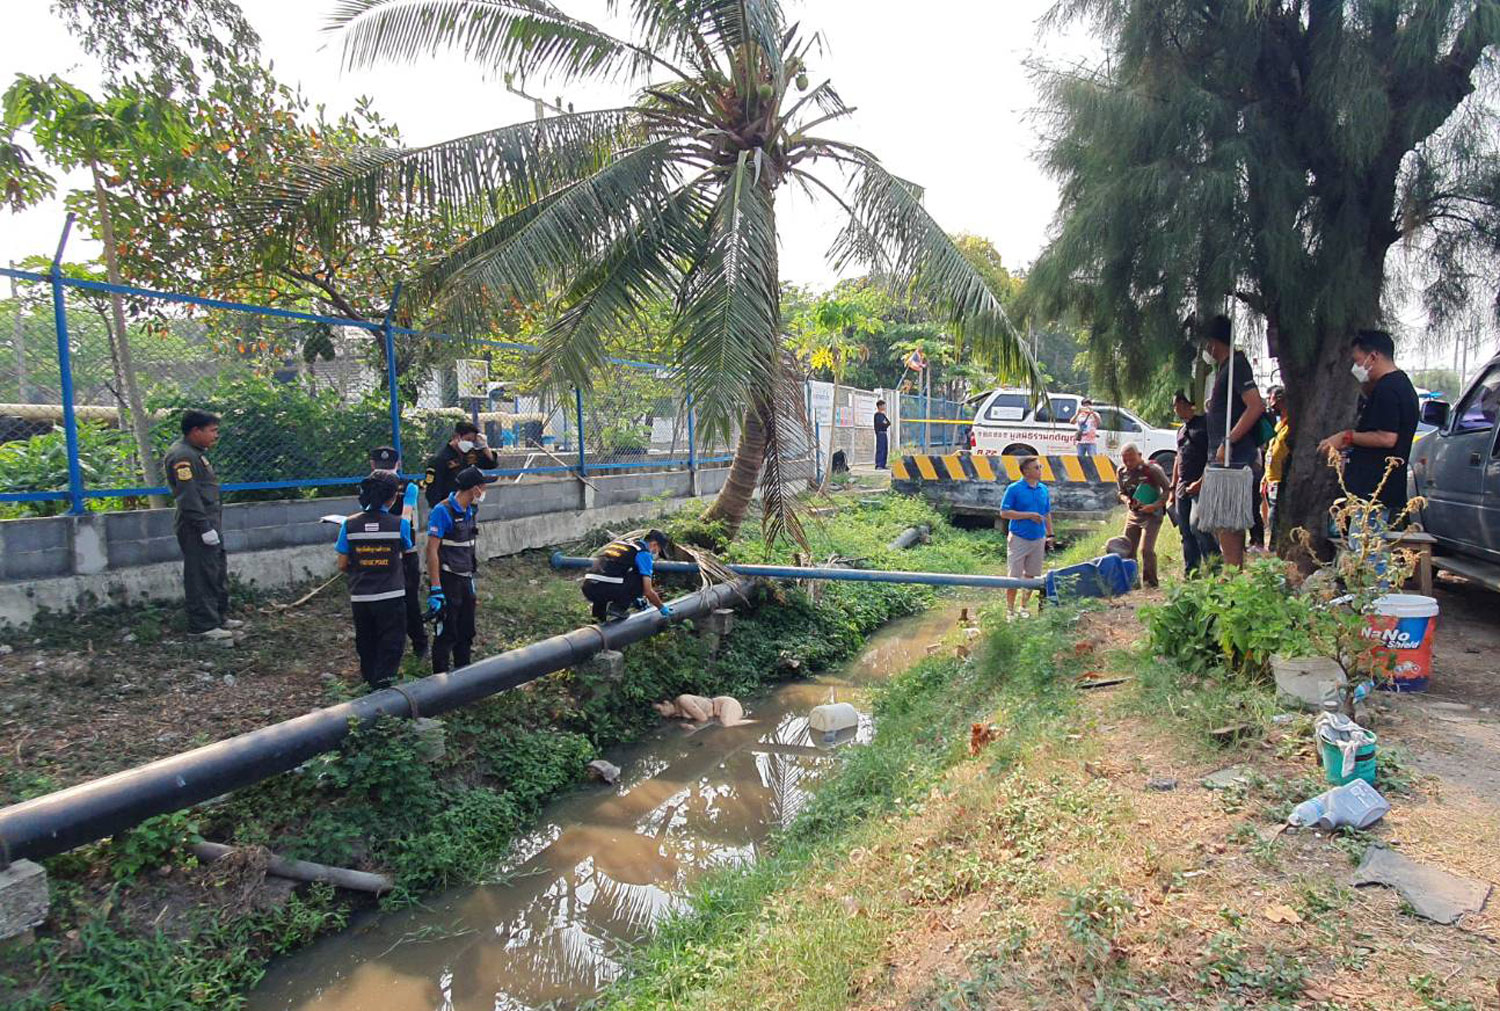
(465, 449)
(371, 545)
(622, 573)
(199, 525)
(386, 458)
(452, 533)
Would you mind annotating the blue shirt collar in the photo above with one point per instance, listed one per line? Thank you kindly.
(458, 510)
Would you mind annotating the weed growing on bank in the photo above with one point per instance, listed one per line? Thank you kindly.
(752, 923)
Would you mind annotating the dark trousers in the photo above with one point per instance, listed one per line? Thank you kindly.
(1141, 530)
(379, 639)
(1196, 547)
(601, 595)
(457, 638)
(416, 630)
(882, 449)
(205, 581)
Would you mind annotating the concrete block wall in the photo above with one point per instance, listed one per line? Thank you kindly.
(66, 563)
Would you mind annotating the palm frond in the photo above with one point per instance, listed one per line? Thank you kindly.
(549, 241)
(486, 174)
(527, 37)
(645, 264)
(727, 313)
(891, 225)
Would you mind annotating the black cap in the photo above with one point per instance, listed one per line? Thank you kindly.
(378, 489)
(657, 536)
(383, 458)
(469, 477)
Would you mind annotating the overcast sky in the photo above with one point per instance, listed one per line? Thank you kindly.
(942, 98)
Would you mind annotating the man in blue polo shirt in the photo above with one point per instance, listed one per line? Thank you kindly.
(1028, 506)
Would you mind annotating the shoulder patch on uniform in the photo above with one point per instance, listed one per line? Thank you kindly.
(431, 476)
(184, 471)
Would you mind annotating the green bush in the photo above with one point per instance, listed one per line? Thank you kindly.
(274, 431)
(40, 463)
(1231, 621)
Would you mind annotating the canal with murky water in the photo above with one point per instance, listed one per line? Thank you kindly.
(603, 864)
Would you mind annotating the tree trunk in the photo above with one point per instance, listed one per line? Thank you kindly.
(833, 430)
(733, 500)
(140, 424)
(1321, 397)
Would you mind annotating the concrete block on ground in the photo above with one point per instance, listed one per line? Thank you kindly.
(1306, 681)
(38, 564)
(431, 738)
(23, 898)
(608, 664)
(719, 621)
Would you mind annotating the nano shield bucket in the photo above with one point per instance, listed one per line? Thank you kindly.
(1400, 629)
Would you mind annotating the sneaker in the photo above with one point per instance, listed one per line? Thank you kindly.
(615, 613)
(231, 623)
(213, 635)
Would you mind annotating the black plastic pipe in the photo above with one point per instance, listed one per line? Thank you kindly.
(562, 561)
(57, 822)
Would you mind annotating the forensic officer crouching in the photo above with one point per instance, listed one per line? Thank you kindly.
(452, 559)
(199, 525)
(621, 576)
(371, 545)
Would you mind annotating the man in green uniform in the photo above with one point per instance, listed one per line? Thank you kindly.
(200, 527)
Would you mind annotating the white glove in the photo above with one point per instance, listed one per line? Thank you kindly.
(211, 538)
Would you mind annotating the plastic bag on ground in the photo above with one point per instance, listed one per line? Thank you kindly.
(1354, 805)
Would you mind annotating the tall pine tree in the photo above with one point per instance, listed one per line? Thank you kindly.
(1270, 152)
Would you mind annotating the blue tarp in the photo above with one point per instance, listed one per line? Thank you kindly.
(1105, 576)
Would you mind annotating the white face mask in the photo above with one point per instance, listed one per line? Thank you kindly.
(1208, 357)
(464, 445)
(1361, 372)
(479, 498)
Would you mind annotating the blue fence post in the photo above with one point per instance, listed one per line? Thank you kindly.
(583, 463)
(692, 437)
(390, 370)
(65, 378)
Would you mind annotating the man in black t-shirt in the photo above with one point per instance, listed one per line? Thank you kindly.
(1387, 423)
(1187, 479)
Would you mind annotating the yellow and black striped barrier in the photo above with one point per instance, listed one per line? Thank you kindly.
(977, 482)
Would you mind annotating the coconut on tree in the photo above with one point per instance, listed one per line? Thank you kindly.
(672, 197)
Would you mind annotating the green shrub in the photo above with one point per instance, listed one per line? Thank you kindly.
(1234, 621)
(40, 463)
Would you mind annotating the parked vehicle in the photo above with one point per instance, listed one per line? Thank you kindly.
(1008, 422)
(1456, 469)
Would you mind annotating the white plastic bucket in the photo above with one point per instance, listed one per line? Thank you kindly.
(1401, 629)
(833, 717)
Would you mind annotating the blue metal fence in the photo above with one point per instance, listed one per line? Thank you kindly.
(293, 425)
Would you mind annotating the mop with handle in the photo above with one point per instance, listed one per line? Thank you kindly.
(1227, 499)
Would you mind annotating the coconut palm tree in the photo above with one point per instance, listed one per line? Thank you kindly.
(670, 198)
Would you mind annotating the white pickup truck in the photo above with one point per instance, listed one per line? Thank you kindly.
(1009, 423)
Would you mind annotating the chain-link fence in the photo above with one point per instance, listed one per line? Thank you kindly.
(302, 398)
(933, 423)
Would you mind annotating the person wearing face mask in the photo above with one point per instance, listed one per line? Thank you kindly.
(385, 458)
(1387, 422)
(452, 559)
(466, 448)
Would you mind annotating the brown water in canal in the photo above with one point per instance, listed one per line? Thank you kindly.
(601, 867)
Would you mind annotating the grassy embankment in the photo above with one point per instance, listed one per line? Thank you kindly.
(137, 924)
(1076, 861)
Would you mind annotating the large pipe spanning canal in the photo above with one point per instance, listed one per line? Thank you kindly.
(55, 823)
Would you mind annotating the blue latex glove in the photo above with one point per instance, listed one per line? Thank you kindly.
(666, 612)
(436, 600)
(411, 496)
